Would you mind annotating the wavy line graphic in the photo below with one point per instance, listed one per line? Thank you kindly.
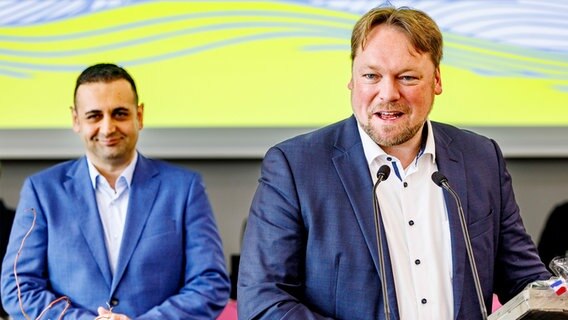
(249, 25)
(274, 47)
(467, 17)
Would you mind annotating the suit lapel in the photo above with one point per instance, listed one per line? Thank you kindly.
(143, 192)
(353, 170)
(82, 195)
(450, 162)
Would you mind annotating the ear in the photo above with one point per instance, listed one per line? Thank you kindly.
(437, 81)
(74, 118)
(140, 116)
(350, 84)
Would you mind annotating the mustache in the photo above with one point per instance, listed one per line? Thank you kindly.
(389, 106)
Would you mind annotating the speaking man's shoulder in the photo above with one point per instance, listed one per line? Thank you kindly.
(463, 138)
(332, 135)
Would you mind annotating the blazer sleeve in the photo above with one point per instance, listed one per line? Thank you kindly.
(517, 261)
(272, 260)
(31, 266)
(206, 284)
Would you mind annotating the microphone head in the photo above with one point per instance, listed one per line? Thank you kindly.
(439, 178)
(383, 171)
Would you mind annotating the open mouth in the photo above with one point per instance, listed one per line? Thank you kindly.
(389, 115)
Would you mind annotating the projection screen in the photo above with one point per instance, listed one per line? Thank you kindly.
(227, 79)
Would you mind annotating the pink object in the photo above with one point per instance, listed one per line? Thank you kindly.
(230, 311)
(496, 304)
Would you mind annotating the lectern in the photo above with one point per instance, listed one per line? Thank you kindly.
(534, 304)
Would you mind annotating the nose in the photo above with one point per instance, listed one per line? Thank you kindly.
(107, 126)
(388, 90)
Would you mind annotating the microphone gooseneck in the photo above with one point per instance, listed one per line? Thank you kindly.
(382, 175)
(442, 181)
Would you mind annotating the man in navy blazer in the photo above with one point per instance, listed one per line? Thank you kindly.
(310, 247)
(113, 235)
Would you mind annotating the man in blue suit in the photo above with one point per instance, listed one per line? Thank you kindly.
(113, 235)
(310, 249)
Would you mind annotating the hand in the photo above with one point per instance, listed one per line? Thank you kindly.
(109, 315)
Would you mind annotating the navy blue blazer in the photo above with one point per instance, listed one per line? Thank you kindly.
(170, 266)
(309, 249)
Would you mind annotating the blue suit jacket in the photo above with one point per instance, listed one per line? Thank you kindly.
(309, 249)
(170, 266)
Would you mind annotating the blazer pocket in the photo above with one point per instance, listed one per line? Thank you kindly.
(155, 229)
(352, 298)
(481, 226)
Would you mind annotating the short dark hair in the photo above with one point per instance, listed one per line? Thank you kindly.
(104, 72)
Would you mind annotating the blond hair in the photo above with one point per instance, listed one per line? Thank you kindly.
(421, 30)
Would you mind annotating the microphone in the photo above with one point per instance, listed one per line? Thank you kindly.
(382, 175)
(442, 182)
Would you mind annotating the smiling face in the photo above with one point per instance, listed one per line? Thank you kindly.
(392, 87)
(108, 120)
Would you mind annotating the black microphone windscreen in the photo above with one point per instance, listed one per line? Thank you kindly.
(439, 178)
(384, 171)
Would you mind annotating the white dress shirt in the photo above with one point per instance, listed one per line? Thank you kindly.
(415, 218)
(113, 206)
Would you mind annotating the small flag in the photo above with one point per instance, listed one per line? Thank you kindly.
(559, 286)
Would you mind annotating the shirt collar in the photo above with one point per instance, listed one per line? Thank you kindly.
(373, 151)
(127, 173)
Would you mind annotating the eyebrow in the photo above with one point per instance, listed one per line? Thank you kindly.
(92, 111)
(119, 108)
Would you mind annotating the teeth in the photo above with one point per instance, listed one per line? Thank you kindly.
(389, 115)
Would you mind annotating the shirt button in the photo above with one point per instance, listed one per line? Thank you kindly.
(114, 302)
(411, 222)
(389, 159)
(417, 261)
(424, 301)
(405, 184)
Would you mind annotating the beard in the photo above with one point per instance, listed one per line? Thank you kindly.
(391, 135)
